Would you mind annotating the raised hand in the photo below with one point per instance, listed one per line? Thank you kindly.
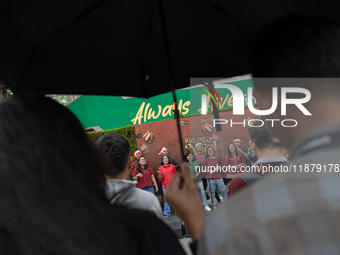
(183, 196)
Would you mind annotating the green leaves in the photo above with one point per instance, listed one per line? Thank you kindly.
(128, 132)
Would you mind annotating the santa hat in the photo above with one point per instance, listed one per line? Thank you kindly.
(137, 154)
(198, 144)
(161, 150)
(236, 140)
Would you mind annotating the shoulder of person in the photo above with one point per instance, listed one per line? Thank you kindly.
(174, 158)
(237, 181)
(196, 162)
(143, 194)
(235, 185)
(148, 201)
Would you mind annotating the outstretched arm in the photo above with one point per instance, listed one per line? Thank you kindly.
(160, 176)
(244, 154)
(136, 177)
(154, 182)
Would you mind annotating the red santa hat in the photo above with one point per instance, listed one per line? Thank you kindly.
(137, 153)
(161, 150)
(236, 140)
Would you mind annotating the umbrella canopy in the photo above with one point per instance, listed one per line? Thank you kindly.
(117, 47)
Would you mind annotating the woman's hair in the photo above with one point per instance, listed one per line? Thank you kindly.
(229, 152)
(207, 155)
(139, 168)
(51, 201)
(168, 159)
(187, 154)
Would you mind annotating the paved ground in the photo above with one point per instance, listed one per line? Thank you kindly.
(186, 241)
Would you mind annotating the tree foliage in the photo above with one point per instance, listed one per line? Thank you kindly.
(128, 132)
(5, 92)
(65, 100)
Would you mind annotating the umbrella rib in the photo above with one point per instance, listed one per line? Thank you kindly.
(147, 46)
(55, 34)
(171, 71)
(76, 19)
(236, 24)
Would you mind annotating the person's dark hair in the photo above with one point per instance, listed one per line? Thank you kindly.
(51, 201)
(229, 152)
(139, 168)
(117, 149)
(262, 136)
(297, 46)
(168, 159)
(187, 154)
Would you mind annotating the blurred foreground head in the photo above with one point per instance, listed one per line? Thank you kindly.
(298, 46)
(43, 144)
(263, 143)
(51, 201)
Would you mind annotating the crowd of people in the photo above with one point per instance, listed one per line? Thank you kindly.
(62, 195)
(209, 180)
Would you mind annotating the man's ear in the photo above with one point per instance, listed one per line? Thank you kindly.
(252, 145)
(129, 162)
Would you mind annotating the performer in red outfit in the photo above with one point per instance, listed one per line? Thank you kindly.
(212, 166)
(165, 173)
(137, 154)
(234, 161)
(143, 173)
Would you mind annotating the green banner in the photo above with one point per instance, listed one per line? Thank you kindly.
(110, 112)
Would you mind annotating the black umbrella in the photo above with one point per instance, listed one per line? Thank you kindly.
(113, 47)
(117, 47)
